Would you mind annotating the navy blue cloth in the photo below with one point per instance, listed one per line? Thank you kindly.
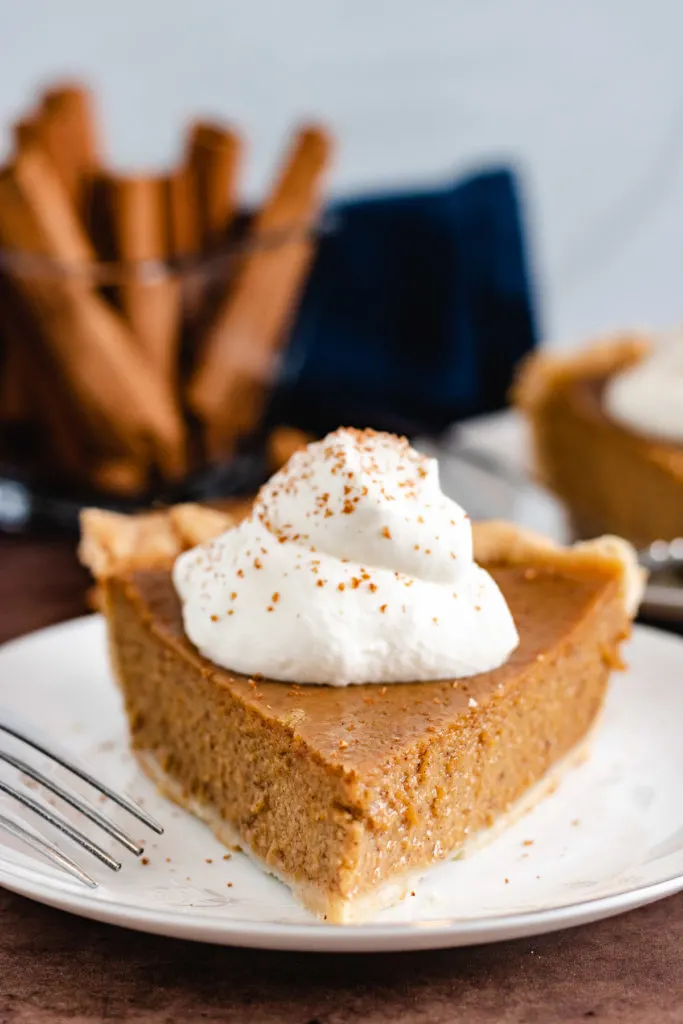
(417, 309)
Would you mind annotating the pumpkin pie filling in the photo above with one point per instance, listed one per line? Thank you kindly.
(348, 794)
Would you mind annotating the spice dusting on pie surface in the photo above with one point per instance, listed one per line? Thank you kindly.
(349, 818)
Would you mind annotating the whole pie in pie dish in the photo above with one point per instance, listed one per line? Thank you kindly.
(611, 477)
(348, 794)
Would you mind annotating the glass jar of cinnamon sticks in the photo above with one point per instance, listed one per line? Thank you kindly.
(140, 316)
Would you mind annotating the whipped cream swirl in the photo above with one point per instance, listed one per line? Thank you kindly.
(648, 397)
(353, 567)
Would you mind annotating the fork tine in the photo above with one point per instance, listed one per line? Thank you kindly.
(122, 801)
(79, 805)
(49, 850)
(62, 825)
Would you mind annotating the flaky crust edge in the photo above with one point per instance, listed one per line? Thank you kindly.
(542, 373)
(502, 543)
(113, 545)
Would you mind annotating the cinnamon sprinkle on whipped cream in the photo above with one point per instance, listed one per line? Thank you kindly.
(387, 589)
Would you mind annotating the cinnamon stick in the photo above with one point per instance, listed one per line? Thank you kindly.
(25, 133)
(215, 153)
(183, 231)
(150, 301)
(62, 441)
(14, 404)
(228, 388)
(184, 241)
(113, 385)
(24, 396)
(68, 132)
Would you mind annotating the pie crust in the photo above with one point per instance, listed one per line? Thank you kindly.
(611, 479)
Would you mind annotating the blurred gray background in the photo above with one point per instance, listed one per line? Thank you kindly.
(587, 98)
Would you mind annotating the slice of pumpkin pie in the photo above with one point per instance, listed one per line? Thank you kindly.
(353, 682)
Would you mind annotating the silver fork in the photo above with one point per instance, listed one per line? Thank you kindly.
(48, 849)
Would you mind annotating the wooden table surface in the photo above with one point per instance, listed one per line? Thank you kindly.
(55, 967)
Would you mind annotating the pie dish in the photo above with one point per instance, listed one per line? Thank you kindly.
(610, 478)
(350, 795)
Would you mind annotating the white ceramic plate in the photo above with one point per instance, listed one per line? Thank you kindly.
(609, 838)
